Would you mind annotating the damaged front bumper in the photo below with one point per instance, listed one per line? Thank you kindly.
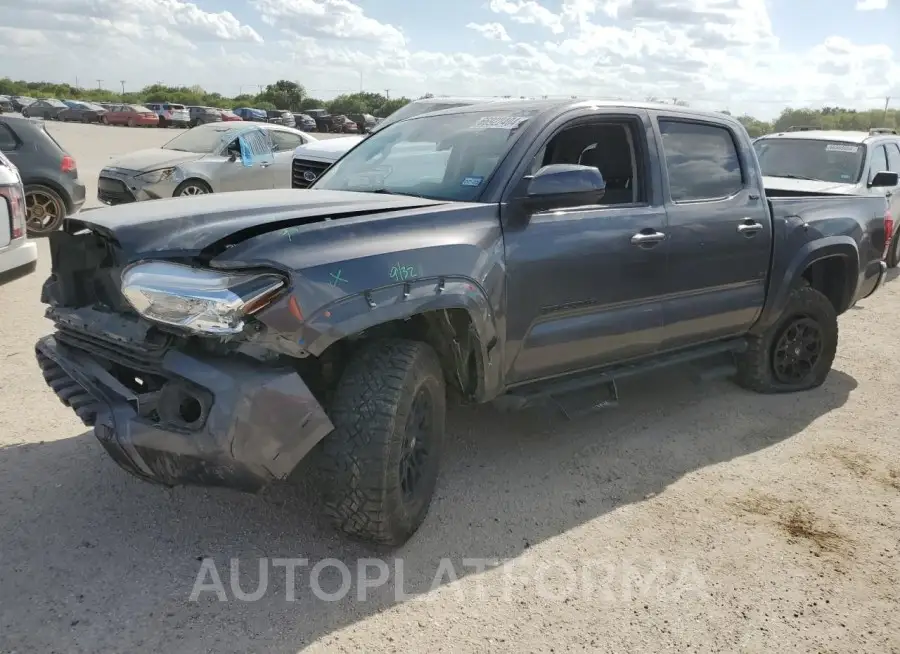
(213, 421)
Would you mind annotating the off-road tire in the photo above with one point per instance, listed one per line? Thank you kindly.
(361, 459)
(893, 255)
(756, 365)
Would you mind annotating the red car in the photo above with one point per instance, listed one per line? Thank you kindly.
(133, 115)
(228, 115)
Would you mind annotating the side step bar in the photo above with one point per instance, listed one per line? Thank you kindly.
(581, 394)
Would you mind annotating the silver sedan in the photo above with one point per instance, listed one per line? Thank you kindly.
(211, 158)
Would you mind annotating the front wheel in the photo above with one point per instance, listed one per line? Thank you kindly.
(380, 464)
(797, 351)
(192, 187)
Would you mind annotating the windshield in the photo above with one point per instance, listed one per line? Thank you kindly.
(448, 157)
(205, 139)
(417, 109)
(828, 161)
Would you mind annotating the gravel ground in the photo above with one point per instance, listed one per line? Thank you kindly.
(693, 518)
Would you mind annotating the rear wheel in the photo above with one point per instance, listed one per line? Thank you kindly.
(44, 210)
(380, 464)
(131, 122)
(192, 187)
(797, 351)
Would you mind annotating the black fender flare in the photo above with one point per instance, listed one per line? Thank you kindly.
(356, 313)
(783, 281)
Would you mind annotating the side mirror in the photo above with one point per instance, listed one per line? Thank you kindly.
(885, 179)
(571, 184)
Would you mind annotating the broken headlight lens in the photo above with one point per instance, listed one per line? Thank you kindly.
(198, 299)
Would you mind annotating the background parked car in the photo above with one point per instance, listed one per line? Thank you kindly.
(203, 115)
(48, 109)
(82, 112)
(249, 113)
(305, 123)
(18, 255)
(20, 102)
(206, 159)
(343, 125)
(279, 117)
(365, 122)
(6, 104)
(322, 118)
(228, 115)
(49, 173)
(171, 114)
(133, 115)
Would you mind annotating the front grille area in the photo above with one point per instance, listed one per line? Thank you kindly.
(304, 172)
(69, 391)
(138, 358)
(113, 191)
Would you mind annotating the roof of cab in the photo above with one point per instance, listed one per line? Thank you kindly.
(824, 135)
(569, 104)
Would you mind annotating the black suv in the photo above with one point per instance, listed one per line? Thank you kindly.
(203, 115)
(49, 173)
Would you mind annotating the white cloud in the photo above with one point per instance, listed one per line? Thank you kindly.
(492, 31)
(714, 54)
(871, 5)
(528, 12)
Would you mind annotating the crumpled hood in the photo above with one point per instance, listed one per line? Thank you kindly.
(807, 186)
(187, 225)
(152, 159)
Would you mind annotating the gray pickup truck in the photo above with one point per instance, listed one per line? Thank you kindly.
(521, 252)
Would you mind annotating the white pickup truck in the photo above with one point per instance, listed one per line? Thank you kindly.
(311, 160)
(18, 255)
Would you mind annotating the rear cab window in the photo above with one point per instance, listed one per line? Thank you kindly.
(701, 161)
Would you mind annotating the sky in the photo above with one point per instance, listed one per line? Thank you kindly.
(746, 56)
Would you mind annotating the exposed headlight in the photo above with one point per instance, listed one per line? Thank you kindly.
(157, 176)
(198, 299)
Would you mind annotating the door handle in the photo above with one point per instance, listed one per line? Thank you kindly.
(647, 238)
(749, 227)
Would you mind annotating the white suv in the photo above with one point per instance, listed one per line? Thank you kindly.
(18, 255)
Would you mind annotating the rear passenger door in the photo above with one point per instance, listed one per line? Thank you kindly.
(719, 230)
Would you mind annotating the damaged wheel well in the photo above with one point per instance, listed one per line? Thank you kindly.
(450, 332)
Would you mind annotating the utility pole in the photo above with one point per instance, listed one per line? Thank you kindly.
(123, 86)
(76, 82)
(387, 94)
(360, 81)
(99, 82)
(887, 102)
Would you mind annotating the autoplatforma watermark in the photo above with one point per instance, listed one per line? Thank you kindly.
(332, 580)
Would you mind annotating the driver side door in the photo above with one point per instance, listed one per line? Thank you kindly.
(284, 143)
(585, 284)
(240, 174)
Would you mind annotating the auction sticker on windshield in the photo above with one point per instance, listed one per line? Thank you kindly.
(836, 147)
(499, 122)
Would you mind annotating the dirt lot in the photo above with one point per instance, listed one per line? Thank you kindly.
(693, 518)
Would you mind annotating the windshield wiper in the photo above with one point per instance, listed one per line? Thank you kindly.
(809, 179)
(384, 191)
